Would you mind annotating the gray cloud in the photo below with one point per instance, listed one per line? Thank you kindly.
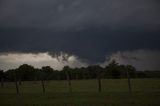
(141, 59)
(78, 14)
(14, 60)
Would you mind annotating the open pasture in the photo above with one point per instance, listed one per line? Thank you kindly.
(145, 92)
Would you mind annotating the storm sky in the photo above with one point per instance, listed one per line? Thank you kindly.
(83, 31)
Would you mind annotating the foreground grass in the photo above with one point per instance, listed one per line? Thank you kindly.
(145, 92)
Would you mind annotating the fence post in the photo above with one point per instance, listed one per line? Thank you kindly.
(20, 81)
(16, 84)
(129, 82)
(69, 81)
(43, 86)
(99, 85)
(99, 81)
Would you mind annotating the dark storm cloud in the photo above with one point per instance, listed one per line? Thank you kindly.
(62, 14)
(93, 44)
(87, 28)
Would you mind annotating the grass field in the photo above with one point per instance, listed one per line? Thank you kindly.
(145, 92)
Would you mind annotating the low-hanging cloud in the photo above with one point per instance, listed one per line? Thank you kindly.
(141, 59)
(13, 60)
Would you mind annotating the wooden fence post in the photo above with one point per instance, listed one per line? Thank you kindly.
(129, 82)
(99, 85)
(99, 81)
(69, 81)
(20, 82)
(17, 87)
(43, 86)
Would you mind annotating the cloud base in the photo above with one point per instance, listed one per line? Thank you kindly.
(141, 59)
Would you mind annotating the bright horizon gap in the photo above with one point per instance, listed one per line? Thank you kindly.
(140, 59)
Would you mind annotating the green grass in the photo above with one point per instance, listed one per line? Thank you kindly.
(145, 92)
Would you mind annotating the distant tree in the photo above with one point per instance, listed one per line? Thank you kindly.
(92, 71)
(2, 77)
(48, 72)
(83, 72)
(150, 74)
(141, 74)
(38, 74)
(25, 72)
(113, 69)
(9, 75)
(79, 73)
(131, 71)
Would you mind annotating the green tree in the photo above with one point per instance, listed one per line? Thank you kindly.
(2, 77)
(113, 69)
(25, 72)
(48, 72)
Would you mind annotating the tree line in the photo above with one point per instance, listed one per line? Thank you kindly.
(114, 70)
